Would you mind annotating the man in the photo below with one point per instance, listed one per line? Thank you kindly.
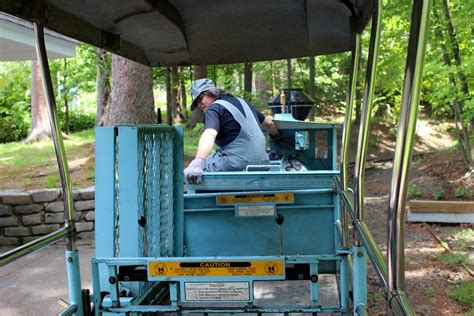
(233, 125)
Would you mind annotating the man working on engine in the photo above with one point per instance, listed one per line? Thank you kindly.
(233, 125)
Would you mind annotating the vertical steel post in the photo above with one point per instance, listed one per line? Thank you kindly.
(74, 280)
(359, 278)
(74, 277)
(56, 132)
(404, 146)
(105, 190)
(346, 131)
(364, 128)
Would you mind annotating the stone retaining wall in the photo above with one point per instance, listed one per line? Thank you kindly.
(27, 215)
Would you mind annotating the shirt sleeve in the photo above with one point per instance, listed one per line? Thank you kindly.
(212, 117)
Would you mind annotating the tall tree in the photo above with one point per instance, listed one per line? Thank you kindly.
(456, 52)
(169, 97)
(183, 93)
(312, 84)
(176, 104)
(132, 93)
(197, 116)
(40, 129)
(103, 85)
(248, 74)
(289, 72)
(457, 103)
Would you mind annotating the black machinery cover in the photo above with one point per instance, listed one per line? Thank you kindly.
(298, 103)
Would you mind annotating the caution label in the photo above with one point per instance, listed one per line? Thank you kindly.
(216, 268)
(285, 197)
(217, 291)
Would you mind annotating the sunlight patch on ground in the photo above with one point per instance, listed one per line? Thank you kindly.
(434, 136)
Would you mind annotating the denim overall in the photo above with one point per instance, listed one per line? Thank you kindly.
(247, 149)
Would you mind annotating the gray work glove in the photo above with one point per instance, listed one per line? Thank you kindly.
(193, 172)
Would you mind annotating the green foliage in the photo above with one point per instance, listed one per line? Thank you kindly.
(464, 293)
(79, 121)
(15, 100)
(462, 191)
(51, 181)
(453, 258)
(413, 191)
(465, 234)
(437, 193)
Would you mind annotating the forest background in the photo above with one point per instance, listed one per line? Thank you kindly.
(85, 96)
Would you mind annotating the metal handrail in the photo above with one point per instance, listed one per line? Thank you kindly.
(34, 245)
(347, 127)
(404, 147)
(398, 300)
(56, 132)
(364, 129)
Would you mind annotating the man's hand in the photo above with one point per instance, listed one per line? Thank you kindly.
(193, 172)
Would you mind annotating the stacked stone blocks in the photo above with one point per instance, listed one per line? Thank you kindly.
(28, 215)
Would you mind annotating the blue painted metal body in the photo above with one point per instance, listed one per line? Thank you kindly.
(147, 217)
(74, 279)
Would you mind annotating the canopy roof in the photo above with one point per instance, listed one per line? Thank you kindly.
(183, 32)
(17, 41)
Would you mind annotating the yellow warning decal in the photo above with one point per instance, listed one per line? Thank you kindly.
(285, 197)
(217, 268)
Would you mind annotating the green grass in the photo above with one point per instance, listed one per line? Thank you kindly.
(464, 294)
(34, 166)
(191, 140)
(453, 258)
(19, 155)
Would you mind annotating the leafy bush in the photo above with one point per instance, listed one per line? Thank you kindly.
(79, 121)
(413, 191)
(10, 131)
(462, 191)
(438, 194)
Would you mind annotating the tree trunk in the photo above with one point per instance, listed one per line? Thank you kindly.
(312, 86)
(458, 105)
(228, 73)
(132, 93)
(456, 53)
(65, 99)
(103, 86)
(200, 71)
(197, 116)
(40, 128)
(175, 96)
(169, 98)
(248, 80)
(455, 47)
(184, 99)
(289, 72)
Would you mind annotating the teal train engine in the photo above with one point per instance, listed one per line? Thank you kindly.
(266, 239)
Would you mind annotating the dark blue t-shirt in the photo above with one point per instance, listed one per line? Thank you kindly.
(219, 118)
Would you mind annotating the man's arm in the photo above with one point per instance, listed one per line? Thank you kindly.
(206, 142)
(269, 126)
(193, 172)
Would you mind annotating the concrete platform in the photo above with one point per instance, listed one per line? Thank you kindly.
(34, 284)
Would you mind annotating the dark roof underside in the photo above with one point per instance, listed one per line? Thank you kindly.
(183, 32)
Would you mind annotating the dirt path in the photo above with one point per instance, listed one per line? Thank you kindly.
(428, 281)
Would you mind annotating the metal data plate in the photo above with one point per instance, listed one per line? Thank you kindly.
(255, 210)
(217, 291)
(232, 199)
(265, 269)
